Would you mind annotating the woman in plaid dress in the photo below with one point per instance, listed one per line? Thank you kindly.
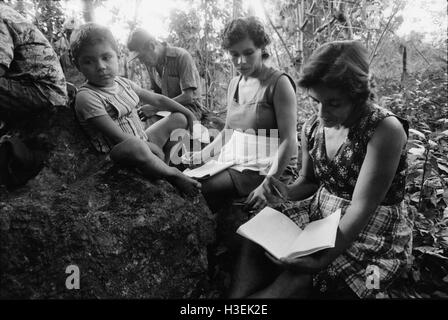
(353, 158)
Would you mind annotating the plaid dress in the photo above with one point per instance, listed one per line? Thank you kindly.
(383, 248)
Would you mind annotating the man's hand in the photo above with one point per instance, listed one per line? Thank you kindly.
(191, 120)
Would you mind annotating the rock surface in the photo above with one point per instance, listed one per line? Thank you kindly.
(129, 237)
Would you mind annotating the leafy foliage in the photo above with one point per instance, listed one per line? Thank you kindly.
(198, 31)
(424, 103)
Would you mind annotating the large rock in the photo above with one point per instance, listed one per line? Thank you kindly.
(129, 237)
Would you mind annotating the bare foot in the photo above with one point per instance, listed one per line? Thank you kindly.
(185, 184)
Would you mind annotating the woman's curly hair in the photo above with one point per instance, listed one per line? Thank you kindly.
(341, 65)
(242, 28)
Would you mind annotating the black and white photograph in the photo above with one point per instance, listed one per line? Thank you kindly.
(224, 155)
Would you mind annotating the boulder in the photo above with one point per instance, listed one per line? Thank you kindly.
(127, 236)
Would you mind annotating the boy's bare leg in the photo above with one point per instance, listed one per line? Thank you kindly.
(160, 132)
(135, 152)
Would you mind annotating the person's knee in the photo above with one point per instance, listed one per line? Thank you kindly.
(212, 188)
(178, 120)
(220, 185)
(132, 151)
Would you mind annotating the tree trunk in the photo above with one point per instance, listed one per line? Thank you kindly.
(348, 23)
(404, 72)
(237, 11)
(301, 17)
(136, 11)
(88, 10)
(237, 8)
(329, 15)
(206, 53)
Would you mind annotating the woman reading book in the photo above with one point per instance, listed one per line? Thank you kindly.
(260, 123)
(354, 158)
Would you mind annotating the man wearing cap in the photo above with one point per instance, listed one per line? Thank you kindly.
(172, 70)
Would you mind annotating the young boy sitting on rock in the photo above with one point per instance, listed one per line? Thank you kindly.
(106, 106)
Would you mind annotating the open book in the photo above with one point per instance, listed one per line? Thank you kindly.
(163, 114)
(282, 238)
(209, 169)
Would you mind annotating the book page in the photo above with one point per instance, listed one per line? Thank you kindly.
(208, 169)
(163, 113)
(317, 235)
(272, 230)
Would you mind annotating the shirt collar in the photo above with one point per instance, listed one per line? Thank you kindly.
(169, 51)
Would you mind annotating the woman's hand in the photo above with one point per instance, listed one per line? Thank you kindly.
(275, 190)
(271, 191)
(257, 199)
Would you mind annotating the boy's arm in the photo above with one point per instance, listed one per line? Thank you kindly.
(161, 102)
(109, 128)
(164, 103)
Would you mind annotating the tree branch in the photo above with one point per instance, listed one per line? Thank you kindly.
(373, 54)
(278, 34)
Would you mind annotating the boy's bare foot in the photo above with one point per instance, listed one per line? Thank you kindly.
(185, 184)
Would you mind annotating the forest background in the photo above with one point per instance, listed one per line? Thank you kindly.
(408, 59)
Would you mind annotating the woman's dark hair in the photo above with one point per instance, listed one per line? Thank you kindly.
(90, 34)
(242, 28)
(341, 65)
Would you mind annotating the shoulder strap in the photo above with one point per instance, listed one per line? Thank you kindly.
(233, 86)
(310, 130)
(271, 87)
